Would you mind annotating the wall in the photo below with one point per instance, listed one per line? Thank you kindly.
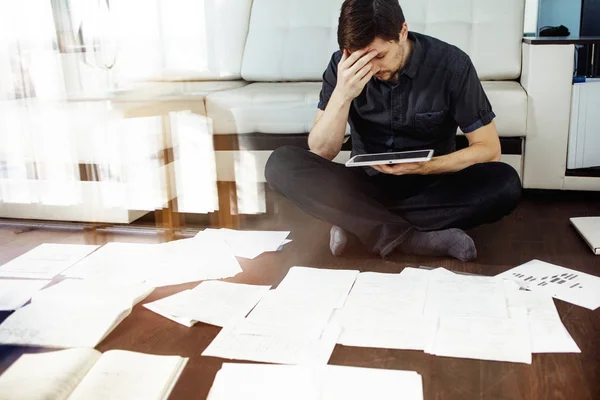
(560, 12)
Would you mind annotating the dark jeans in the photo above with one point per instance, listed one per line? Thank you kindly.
(382, 209)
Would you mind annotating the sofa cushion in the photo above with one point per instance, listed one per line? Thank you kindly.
(290, 108)
(290, 40)
(509, 102)
(285, 107)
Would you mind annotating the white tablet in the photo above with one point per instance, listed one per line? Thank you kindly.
(390, 158)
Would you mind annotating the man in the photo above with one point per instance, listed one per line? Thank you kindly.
(399, 91)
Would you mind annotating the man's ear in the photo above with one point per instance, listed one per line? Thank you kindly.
(404, 32)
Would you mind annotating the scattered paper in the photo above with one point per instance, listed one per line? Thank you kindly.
(157, 307)
(250, 341)
(330, 382)
(14, 293)
(468, 296)
(45, 261)
(249, 244)
(385, 311)
(82, 293)
(548, 334)
(215, 303)
(499, 339)
(561, 283)
(172, 263)
(330, 286)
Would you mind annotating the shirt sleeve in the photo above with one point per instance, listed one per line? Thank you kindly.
(329, 80)
(471, 108)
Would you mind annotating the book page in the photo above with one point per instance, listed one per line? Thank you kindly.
(14, 293)
(45, 261)
(126, 375)
(40, 324)
(49, 376)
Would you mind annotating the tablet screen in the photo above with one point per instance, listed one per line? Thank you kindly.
(392, 156)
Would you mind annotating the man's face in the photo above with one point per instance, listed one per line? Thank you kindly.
(388, 59)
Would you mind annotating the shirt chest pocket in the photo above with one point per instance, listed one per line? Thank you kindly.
(430, 122)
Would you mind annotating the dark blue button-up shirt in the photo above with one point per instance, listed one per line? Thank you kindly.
(437, 91)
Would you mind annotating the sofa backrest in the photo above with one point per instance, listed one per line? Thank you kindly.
(290, 40)
(489, 31)
(294, 39)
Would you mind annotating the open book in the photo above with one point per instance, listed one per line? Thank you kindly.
(85, 373)
(589, 229)
(71, 314)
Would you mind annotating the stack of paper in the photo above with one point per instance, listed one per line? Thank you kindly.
(181, 261)
(71, 314)
(249, 244)
(213, 302)
(45, 261)
(275, 382)
(559, 282)
(87, 374)
(291, 325)
(14, 293)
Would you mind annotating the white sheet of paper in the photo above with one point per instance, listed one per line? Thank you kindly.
(330, 382)
(176, 262)
(14, 293)
(352, 383)
(181, 297)
(293, 315)
(499, 339)
(45, 261)
(385, 311)
(249, 244)
(468, 296)
(330, 286)
(194, 259)
(254, 342)
(264, 382)
(83, 292)
(213, 302)
(48, 326)
(548, 334)
(561, 283)
(119, 263)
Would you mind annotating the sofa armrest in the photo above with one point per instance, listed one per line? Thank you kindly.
(547, 75)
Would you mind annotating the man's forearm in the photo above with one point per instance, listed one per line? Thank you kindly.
(459, 160)
(327, 136)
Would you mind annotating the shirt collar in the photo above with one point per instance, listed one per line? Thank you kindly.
(415, 58)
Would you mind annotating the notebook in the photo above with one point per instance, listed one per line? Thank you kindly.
(589, 229)
(85, 373)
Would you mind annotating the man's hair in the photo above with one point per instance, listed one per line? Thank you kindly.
(361, 21)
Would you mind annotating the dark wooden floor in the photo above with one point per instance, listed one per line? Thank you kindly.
(539, 228)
